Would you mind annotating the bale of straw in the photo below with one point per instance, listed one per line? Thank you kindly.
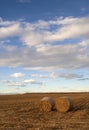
(46, 104)
(63, 104)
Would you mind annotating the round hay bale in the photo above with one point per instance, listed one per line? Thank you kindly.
(46, 104)
(64, 104)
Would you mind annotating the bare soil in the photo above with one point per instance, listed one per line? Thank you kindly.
(21, 112)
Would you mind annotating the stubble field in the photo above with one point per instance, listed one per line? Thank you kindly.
(21, 112)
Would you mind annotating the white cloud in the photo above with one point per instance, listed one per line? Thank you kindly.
(9, 31)
(29, 81)
(85, 43)
(32, 38)
(38, 52)
(22, 83)
(68, 28)
(14, 83)
(17, 75)
(66, 75)
(42, 32)
(49, 68)
(70, 31)
(40, 75)
(59, 75)
(66, 56)
(32, 81)
(6, 23)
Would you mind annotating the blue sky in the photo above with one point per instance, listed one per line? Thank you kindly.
(44, 46)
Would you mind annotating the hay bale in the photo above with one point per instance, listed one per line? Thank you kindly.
(64, 104)
(46, 104)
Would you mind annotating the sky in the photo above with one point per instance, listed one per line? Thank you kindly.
(44, 46)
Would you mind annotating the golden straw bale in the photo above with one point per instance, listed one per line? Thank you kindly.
(63, 104)
(46, 104)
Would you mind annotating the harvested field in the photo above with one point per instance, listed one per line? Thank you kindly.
(21, 112)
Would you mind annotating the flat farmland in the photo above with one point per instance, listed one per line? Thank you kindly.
(21, 112)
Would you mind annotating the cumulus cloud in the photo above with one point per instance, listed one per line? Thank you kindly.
(85, 43)
(9, 31)
(46, 32)
(67, 28)
(17, 75)
(66, 56)
(38, 52)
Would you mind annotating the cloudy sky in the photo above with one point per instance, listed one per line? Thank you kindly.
(44, 46)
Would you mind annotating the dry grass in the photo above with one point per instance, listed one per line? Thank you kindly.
(21, 112)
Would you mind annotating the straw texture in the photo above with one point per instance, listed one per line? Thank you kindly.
(46, 104)
(64, 104)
